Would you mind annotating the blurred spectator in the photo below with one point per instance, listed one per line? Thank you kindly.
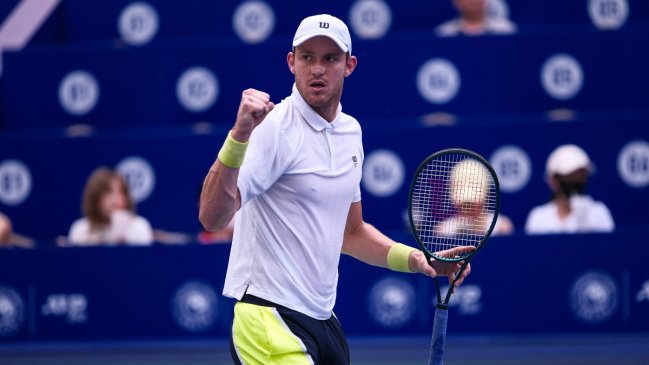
(474, 20)
(570, 210)
(109, 214)
(473, 216)
(9, 238)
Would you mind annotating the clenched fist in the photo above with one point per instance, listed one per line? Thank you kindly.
(254, 107)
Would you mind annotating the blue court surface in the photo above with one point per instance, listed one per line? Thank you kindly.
(547, 349)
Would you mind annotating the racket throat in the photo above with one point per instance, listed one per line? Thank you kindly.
(442, 306)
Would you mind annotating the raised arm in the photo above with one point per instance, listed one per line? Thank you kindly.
(220, 197)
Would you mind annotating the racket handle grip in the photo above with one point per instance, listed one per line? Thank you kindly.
(439, 335)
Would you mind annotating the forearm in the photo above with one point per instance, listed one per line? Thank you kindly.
(219, 197)
(368, 244)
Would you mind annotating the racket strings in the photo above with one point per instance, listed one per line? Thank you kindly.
(453, 202)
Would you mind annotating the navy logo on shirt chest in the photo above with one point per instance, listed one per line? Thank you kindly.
(355, 160)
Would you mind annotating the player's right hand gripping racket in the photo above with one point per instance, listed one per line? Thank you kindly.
(453, 202)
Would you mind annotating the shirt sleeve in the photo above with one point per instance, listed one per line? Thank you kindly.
(268, 156)
(78, 232)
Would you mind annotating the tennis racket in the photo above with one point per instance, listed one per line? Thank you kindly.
(453, 202)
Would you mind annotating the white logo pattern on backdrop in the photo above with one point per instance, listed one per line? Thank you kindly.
(633, 164)
(438, 81)
(15, 182)
(392, 302)
(253, 21)
(138, 23)
(562, 77)
(512, 166)
(370, 19)
(383, 173)
(608, 14)
(12, 312)
(197, 89)
(78, 92)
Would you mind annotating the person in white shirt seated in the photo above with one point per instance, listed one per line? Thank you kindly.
(109, 214)
(475, 20)
(570, 211)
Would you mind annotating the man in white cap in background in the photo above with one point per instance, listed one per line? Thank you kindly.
(570, 210)
(298, 205)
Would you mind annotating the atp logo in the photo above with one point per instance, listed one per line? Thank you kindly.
(633, 164)
(139, 176)
(15, 182)
(383, 173)
(194, 307)
(253, 21)
(78, 92)
(608, 14)
(438, 81)
(72, 307)
(370, 19)
(197, 89)
(391, 302)
(138, 23)
(562, 77)
(512, 166)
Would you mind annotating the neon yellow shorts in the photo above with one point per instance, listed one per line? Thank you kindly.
(265, 335)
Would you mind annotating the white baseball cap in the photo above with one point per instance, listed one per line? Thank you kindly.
(566, 159)
(324, 25)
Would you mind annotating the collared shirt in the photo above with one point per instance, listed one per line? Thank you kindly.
(299, 178)
(587, 216)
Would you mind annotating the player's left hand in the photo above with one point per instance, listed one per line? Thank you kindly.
(419, 264)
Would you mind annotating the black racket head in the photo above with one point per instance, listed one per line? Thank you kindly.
(454, 201)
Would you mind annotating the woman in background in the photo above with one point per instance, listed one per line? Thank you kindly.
(109, 214)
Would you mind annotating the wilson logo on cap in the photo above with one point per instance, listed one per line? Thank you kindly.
(324, 25)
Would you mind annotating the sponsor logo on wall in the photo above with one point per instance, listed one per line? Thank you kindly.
(562, 77)
(391, 302)
(78, 92)
(438, 81)
(253, 21)
(370, 19)
(633, 164)
(608, 14)
(194, 307)
(138, 23)
(513, 167)
(15, 182)
(594, 297)
(12, 311)
(383, 173)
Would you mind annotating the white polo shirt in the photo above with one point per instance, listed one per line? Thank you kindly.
(587, 216)
(299, 177)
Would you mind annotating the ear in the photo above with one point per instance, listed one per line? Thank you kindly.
(290, 60)
(350, 66)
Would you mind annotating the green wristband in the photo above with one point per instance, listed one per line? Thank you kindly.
(232, 152)
(399, 257)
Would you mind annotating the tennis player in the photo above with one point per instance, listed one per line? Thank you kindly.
(298, 204)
